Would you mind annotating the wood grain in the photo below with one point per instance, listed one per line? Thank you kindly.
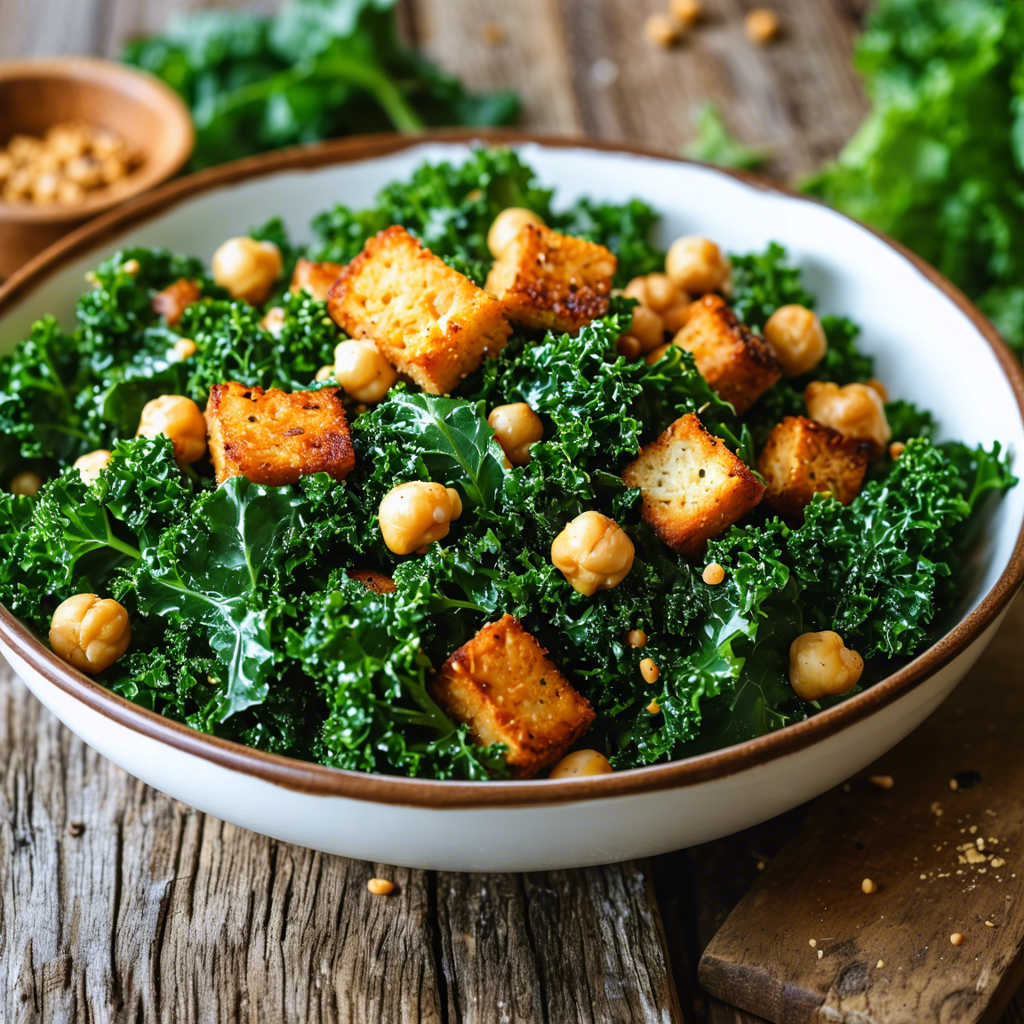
(945, 860)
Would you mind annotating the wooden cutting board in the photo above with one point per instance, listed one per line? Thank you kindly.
(945, 848)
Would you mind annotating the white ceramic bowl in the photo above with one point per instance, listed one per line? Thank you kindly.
(932, 346)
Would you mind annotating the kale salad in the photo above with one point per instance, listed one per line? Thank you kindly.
(278, 614)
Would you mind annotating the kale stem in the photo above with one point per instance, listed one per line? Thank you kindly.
(125, 549)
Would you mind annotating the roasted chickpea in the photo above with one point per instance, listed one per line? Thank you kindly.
(184, 348)
(648, 329)
(655, 291)
(26, 483)
(797, 337)
(649, 670)
(686, 12)
(628, 347)
(820, 664)
(855, 410)
(506, 226)
(92, 464)
(675, 317)
(178, 418)
(273, 321)
(593, 553)
(662, 30)
(697, 265)
(636, 638)
(516, 427)
(90, 633)
(247, 269)
(416, 514)
(324, 373)
(713, 574)
(362, 371)
(762, 25)
(580, 763)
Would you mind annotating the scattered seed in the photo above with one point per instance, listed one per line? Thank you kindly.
(881, 963)
(380, 886)
(813, 943)
(990, 924)
(957, 939)
(882, 781)
(821, 953)
(868, 886)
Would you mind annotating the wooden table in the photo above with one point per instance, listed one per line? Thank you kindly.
(119, 904)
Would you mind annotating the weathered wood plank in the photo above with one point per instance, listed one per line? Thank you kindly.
(117, 903)
(942, 847)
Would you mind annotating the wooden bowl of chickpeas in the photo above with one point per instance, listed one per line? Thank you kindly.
(77, 137)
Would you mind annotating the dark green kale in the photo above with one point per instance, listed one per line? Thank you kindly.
(318, 69)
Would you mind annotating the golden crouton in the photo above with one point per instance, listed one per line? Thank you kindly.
(691, 485)
(429, 321)
(738, 364)
(801, 458)
(175, 299)
(550, 281)
(314, 278)
(375, 581)
(273, 437)
(502, 685)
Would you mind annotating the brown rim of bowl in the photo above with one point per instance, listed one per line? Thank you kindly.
(323, 781)
(160, 98)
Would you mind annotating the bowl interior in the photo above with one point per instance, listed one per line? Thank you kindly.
(928, 349)
(35, 95)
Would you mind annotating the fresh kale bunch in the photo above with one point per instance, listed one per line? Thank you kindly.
(245, 621)
(318, 69)
(939, 161)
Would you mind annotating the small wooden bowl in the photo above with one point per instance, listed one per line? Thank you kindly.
(37, 94)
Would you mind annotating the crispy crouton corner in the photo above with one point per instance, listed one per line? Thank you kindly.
(503, 686)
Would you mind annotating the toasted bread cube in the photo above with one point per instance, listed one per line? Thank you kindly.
(692, 487)
(503, 686)
(550, 281)
(738, 364)
(429, 321)
(314, 278)
(273, 437)
(372, 580)
(801, 458)
(175, 299)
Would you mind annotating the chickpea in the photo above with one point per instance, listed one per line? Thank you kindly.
(628, 347)
(820, 664)
(131, 266)
(184, 348)
(593, 553)
(26, 483)
(697, 266)
(713, 574)
(247, 269)
(273, 322)
(506, 226)
(896, 449)
(90, 633)
(416, 514)
(686, 12)
(797, 337)
(636, 638)
(762, 25)
(648, 329)
(580, 763)
(662, 30)
(362, 371)
(92, 464)
(676, 317)
(655, 291)
(649, 670)
(380, 886)
(178, 418)
(855, 410)
(324, 373)
(516, 427)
